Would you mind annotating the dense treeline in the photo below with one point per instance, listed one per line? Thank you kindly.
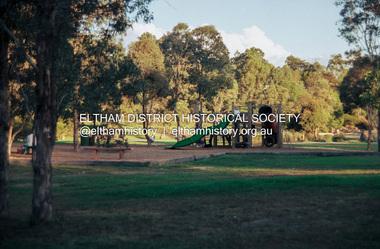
(185, 66)
(171, 74)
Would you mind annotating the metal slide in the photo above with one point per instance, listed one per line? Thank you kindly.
(197, 137)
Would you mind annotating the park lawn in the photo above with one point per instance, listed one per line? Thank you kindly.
(235, 201)
(335, 145)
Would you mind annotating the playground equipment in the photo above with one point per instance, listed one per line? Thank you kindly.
(241, 140)
(201, 134)
(269, 139)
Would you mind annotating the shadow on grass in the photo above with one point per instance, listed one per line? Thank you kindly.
(203, 204)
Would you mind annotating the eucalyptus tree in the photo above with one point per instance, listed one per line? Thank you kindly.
(101, 72)
(53, 24)
(152, 85)
(359, 26)
(10, 20)
(176, 47)
(210, 62)
(253, 75)
(4, 109)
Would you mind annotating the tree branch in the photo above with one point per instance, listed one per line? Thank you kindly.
(11, 35)
(23, 93)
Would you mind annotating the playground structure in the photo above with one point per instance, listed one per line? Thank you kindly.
(272, 136)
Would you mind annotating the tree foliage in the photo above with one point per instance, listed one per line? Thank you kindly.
(52, 25)
(360, 24)
(360, 27)
(152, 85)
(209, 60)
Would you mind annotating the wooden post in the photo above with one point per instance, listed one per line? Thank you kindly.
(279, 129)
(121, 154)
(215, 138)
(234, 139)
(249, 124)
(200, 112)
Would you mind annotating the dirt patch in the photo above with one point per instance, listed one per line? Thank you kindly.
(65, 154)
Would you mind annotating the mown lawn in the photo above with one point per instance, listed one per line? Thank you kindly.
(335, 146)
(250, 201)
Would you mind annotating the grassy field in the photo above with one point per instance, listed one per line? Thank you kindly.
(170, 140)
(251, 201)
(335, 145)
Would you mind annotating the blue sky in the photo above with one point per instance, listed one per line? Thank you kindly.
(304, 28)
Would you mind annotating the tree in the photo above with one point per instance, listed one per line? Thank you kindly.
(21, 100)
(253, 75)
(360, 27)
(296, 64)
(54, 22)
(4, 121)
(9, 13)
(100, 67)
(338, 67)
(354, 85)
(152, 85)
(47, 12)
(360, 24)
(228, 93)
(321, 108)
(176, 47)
(372, 93)
(371, 97)
(210, 56)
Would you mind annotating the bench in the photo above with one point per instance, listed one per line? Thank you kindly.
(97, 149)
(23, 150)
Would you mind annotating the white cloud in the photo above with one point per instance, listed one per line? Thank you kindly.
(139, 29)
(250, 37)
(255, 37)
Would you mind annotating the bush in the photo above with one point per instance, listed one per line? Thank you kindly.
(293, 136)
(339, 138)
(289, 137)
(309, 136)
(61, 129)
(108, 141)
(364, 136)
(327, 138)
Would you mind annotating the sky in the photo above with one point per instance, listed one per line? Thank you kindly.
(306, 29)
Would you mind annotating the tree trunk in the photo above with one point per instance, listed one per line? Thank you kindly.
(178, 125)
(12, 134)
(378, 131)
(369, 114)
(76, 118)
(145, 123)
(11, 124)
(4, 125)
(369, 139)
(45, 116)
(76, 130)
(145, 126)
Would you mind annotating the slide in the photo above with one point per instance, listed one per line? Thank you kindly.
(199, 136)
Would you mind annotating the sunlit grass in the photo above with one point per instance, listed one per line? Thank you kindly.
(225, 202)
(337, 146)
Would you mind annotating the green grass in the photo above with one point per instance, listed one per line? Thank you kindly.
(337, 145)
(226, 202)
(170, 140)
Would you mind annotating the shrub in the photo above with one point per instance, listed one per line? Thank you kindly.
(309, 136)
(339, 138)
(327, 138)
